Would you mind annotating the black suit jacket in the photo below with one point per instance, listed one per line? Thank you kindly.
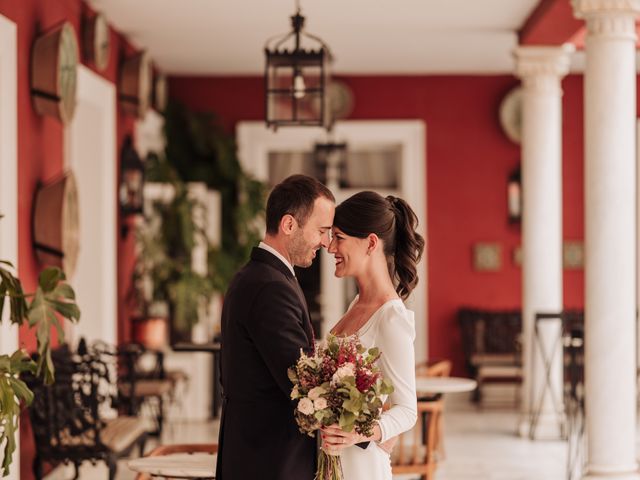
(265, 323)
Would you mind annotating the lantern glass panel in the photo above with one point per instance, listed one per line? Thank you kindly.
(131, 190)
(295, 88)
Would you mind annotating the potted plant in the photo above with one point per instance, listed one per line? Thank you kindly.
(39, 310)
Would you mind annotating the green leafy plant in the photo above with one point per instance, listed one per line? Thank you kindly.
(39, 310)
(164, 259)
(199, 150)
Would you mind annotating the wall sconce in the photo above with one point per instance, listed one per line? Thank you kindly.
(514, 196)
(296, 79)
(131, 181)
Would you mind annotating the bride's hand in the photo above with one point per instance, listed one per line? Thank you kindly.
(335, 439)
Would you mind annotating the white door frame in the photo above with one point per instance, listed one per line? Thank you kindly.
(255, 142)
(9, 180)
(101, 95)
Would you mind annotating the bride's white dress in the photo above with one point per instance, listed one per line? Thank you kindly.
(391, 328)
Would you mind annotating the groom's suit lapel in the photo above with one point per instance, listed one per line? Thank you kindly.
(262, 255)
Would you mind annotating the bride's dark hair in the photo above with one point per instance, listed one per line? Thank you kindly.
(394, 222)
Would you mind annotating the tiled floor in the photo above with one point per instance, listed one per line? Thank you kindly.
(484, 446)
(479, 445)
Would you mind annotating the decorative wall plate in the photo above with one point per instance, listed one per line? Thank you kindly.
(340, 100)
(56, 224)
(96, 43)
(511, 114)
(54, 64)
(135, 85)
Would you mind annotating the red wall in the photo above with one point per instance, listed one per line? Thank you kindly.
(40, 151)
(468, 162)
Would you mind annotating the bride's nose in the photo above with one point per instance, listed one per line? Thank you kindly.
(332, 246)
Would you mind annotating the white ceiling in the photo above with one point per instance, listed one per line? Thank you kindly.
(222, 37)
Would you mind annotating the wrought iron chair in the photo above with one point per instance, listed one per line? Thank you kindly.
(73, 420)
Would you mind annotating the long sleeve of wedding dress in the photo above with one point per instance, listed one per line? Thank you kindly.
(395, 337)
(392, 330)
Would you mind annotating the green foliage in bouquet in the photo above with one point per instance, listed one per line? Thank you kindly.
(39, 310)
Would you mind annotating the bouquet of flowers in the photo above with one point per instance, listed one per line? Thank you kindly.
(339, 384)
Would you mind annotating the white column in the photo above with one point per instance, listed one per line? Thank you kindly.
(610, 224)
(541, 70)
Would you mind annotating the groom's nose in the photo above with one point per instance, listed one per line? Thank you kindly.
(325, 240)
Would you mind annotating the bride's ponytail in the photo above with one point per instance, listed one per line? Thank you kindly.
(409, 246)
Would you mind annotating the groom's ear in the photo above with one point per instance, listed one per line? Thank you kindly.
(287, 224)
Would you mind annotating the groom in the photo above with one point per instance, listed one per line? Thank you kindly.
(265, 323)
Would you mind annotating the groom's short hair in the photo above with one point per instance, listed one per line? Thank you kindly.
(294, 196)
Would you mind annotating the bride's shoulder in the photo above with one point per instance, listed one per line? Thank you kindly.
(396, 315)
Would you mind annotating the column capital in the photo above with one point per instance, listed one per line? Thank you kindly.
(542, 67)
(610, 18)
(537, 60)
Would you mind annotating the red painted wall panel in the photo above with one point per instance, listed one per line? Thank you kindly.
(40, 153)
(468, 162)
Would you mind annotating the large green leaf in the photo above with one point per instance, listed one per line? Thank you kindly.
(63, 290)
(49, 278)
(347, 421)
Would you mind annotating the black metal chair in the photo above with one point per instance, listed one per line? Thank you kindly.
(140, 387)
(71, 419)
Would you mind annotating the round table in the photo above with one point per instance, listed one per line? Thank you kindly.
(177, 465)
(444, 384)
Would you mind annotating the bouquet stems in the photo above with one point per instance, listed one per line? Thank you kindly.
(329, 467)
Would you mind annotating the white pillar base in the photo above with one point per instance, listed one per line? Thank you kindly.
(625, 475)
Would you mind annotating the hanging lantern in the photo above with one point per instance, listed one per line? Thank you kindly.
(296, 79)
(131, 180)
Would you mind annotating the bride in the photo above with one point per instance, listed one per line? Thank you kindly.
(375, 241)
